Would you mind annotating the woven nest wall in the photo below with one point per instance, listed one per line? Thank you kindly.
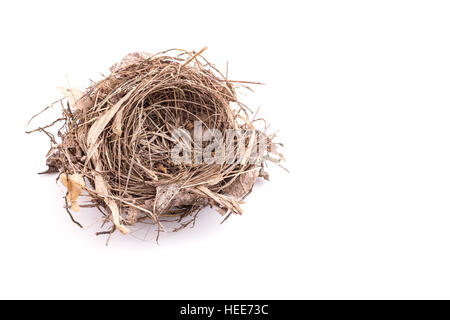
(117, 145)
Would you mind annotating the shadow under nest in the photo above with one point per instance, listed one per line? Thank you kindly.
(117, 140)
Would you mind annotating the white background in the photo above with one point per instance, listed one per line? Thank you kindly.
(360, 91)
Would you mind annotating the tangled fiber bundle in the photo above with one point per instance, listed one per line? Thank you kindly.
(117, 140)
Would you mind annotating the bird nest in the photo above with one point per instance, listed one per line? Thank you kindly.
(160, 138)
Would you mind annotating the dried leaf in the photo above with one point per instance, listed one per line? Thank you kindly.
(164, 196)
(74, 184)
(222, 200)
(101, 187)
(169, 196)
(222, 211)
(76, 98)
(161, 168)
(101, 122)
(264, 174)
(130, 59)
(243, 184)
(117, 123)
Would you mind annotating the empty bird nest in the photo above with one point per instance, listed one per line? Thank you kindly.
(160, 138)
